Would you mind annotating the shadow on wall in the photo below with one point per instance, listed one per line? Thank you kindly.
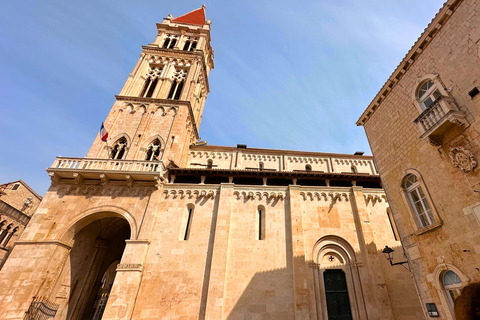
(334, 286)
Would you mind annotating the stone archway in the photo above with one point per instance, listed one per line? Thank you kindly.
(98, 241)
(335, 259)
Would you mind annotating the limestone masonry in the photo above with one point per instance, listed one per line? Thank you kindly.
(424, 128)
(159, 225)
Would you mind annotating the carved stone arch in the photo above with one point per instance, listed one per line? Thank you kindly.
(129, 107)
(88, 216)
(438, 274)
(152, 139)
(142, 108)
(334, 254)
(122, 135)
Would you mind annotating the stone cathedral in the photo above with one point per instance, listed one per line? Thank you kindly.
(155, 224)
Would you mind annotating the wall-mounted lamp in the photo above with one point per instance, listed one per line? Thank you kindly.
(388, 252)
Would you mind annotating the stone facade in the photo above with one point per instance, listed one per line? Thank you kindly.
(423, 128)
(17, 204)
(154, 225)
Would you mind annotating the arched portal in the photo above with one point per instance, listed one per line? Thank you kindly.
(88, 274)
(337, 282)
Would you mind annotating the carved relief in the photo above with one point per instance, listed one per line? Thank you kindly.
(462, 158)
(190, 193)
(337, 196)
(306, 160)
(374, 198)
(259, 195)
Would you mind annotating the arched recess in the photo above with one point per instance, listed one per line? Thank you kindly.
(148, 145)
(98, 239)
(438, 275)
(333, 254)
(117, 138)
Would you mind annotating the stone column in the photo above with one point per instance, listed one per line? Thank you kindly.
(211, 306)
(371, 274)
(121, 301)
(303, 285)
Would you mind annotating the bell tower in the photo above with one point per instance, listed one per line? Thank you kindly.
(156, 116)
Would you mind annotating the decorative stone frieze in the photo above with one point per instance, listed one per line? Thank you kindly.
(260, 157)
(462, 158)
(374, 198)
(190, 193)
(259, 195)
(352, 162)
(324, 196)
(210, 155)
(89, 190)
(307, 160)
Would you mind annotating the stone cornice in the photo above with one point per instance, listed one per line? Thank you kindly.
(415, 51)
(291, 153)
(165, 102)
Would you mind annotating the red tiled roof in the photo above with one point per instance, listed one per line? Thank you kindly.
(196, 16)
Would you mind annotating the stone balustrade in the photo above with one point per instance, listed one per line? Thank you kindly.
(106, 164)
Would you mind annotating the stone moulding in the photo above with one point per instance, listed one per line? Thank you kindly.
(374, 198)
(129, 267)
(334, 196)
(251, 195)
(462, 158)
(190, 193)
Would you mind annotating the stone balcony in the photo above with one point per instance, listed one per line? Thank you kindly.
(439, 119)
(81, 169)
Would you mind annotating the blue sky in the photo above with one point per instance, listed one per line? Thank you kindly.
(288, 75)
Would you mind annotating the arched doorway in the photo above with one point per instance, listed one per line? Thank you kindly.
(339, 291)
(89, 271)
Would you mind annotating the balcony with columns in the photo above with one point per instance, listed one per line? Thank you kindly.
(440, 119)
(81, 169)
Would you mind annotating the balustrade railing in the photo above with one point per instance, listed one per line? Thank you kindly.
(432, 116)
(106, 164)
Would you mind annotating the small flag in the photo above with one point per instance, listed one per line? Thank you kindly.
(103, 133)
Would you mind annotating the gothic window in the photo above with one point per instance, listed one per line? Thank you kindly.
(354, 169)
(118, 150)
(418, 201)
(177, 84)
(452, 284)
(153, 151)
(427, 94)
(170, 41)
(190, 44)
(260, 223)
(4, 232)
(151, 82)
(9, 236)
(308, 167)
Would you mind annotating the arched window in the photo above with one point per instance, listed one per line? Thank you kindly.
(260, 166)
(170, 41)
(427, 94)
(10, 235)
(187, 222)
(308, 167)
(151, 82)
(118, 150)
(190, 44)
(209, 164)
(418, 201)
(354, 169)
(260, 225)
(4, 232)
(177, 84)
(452, 284)
(153, 151)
